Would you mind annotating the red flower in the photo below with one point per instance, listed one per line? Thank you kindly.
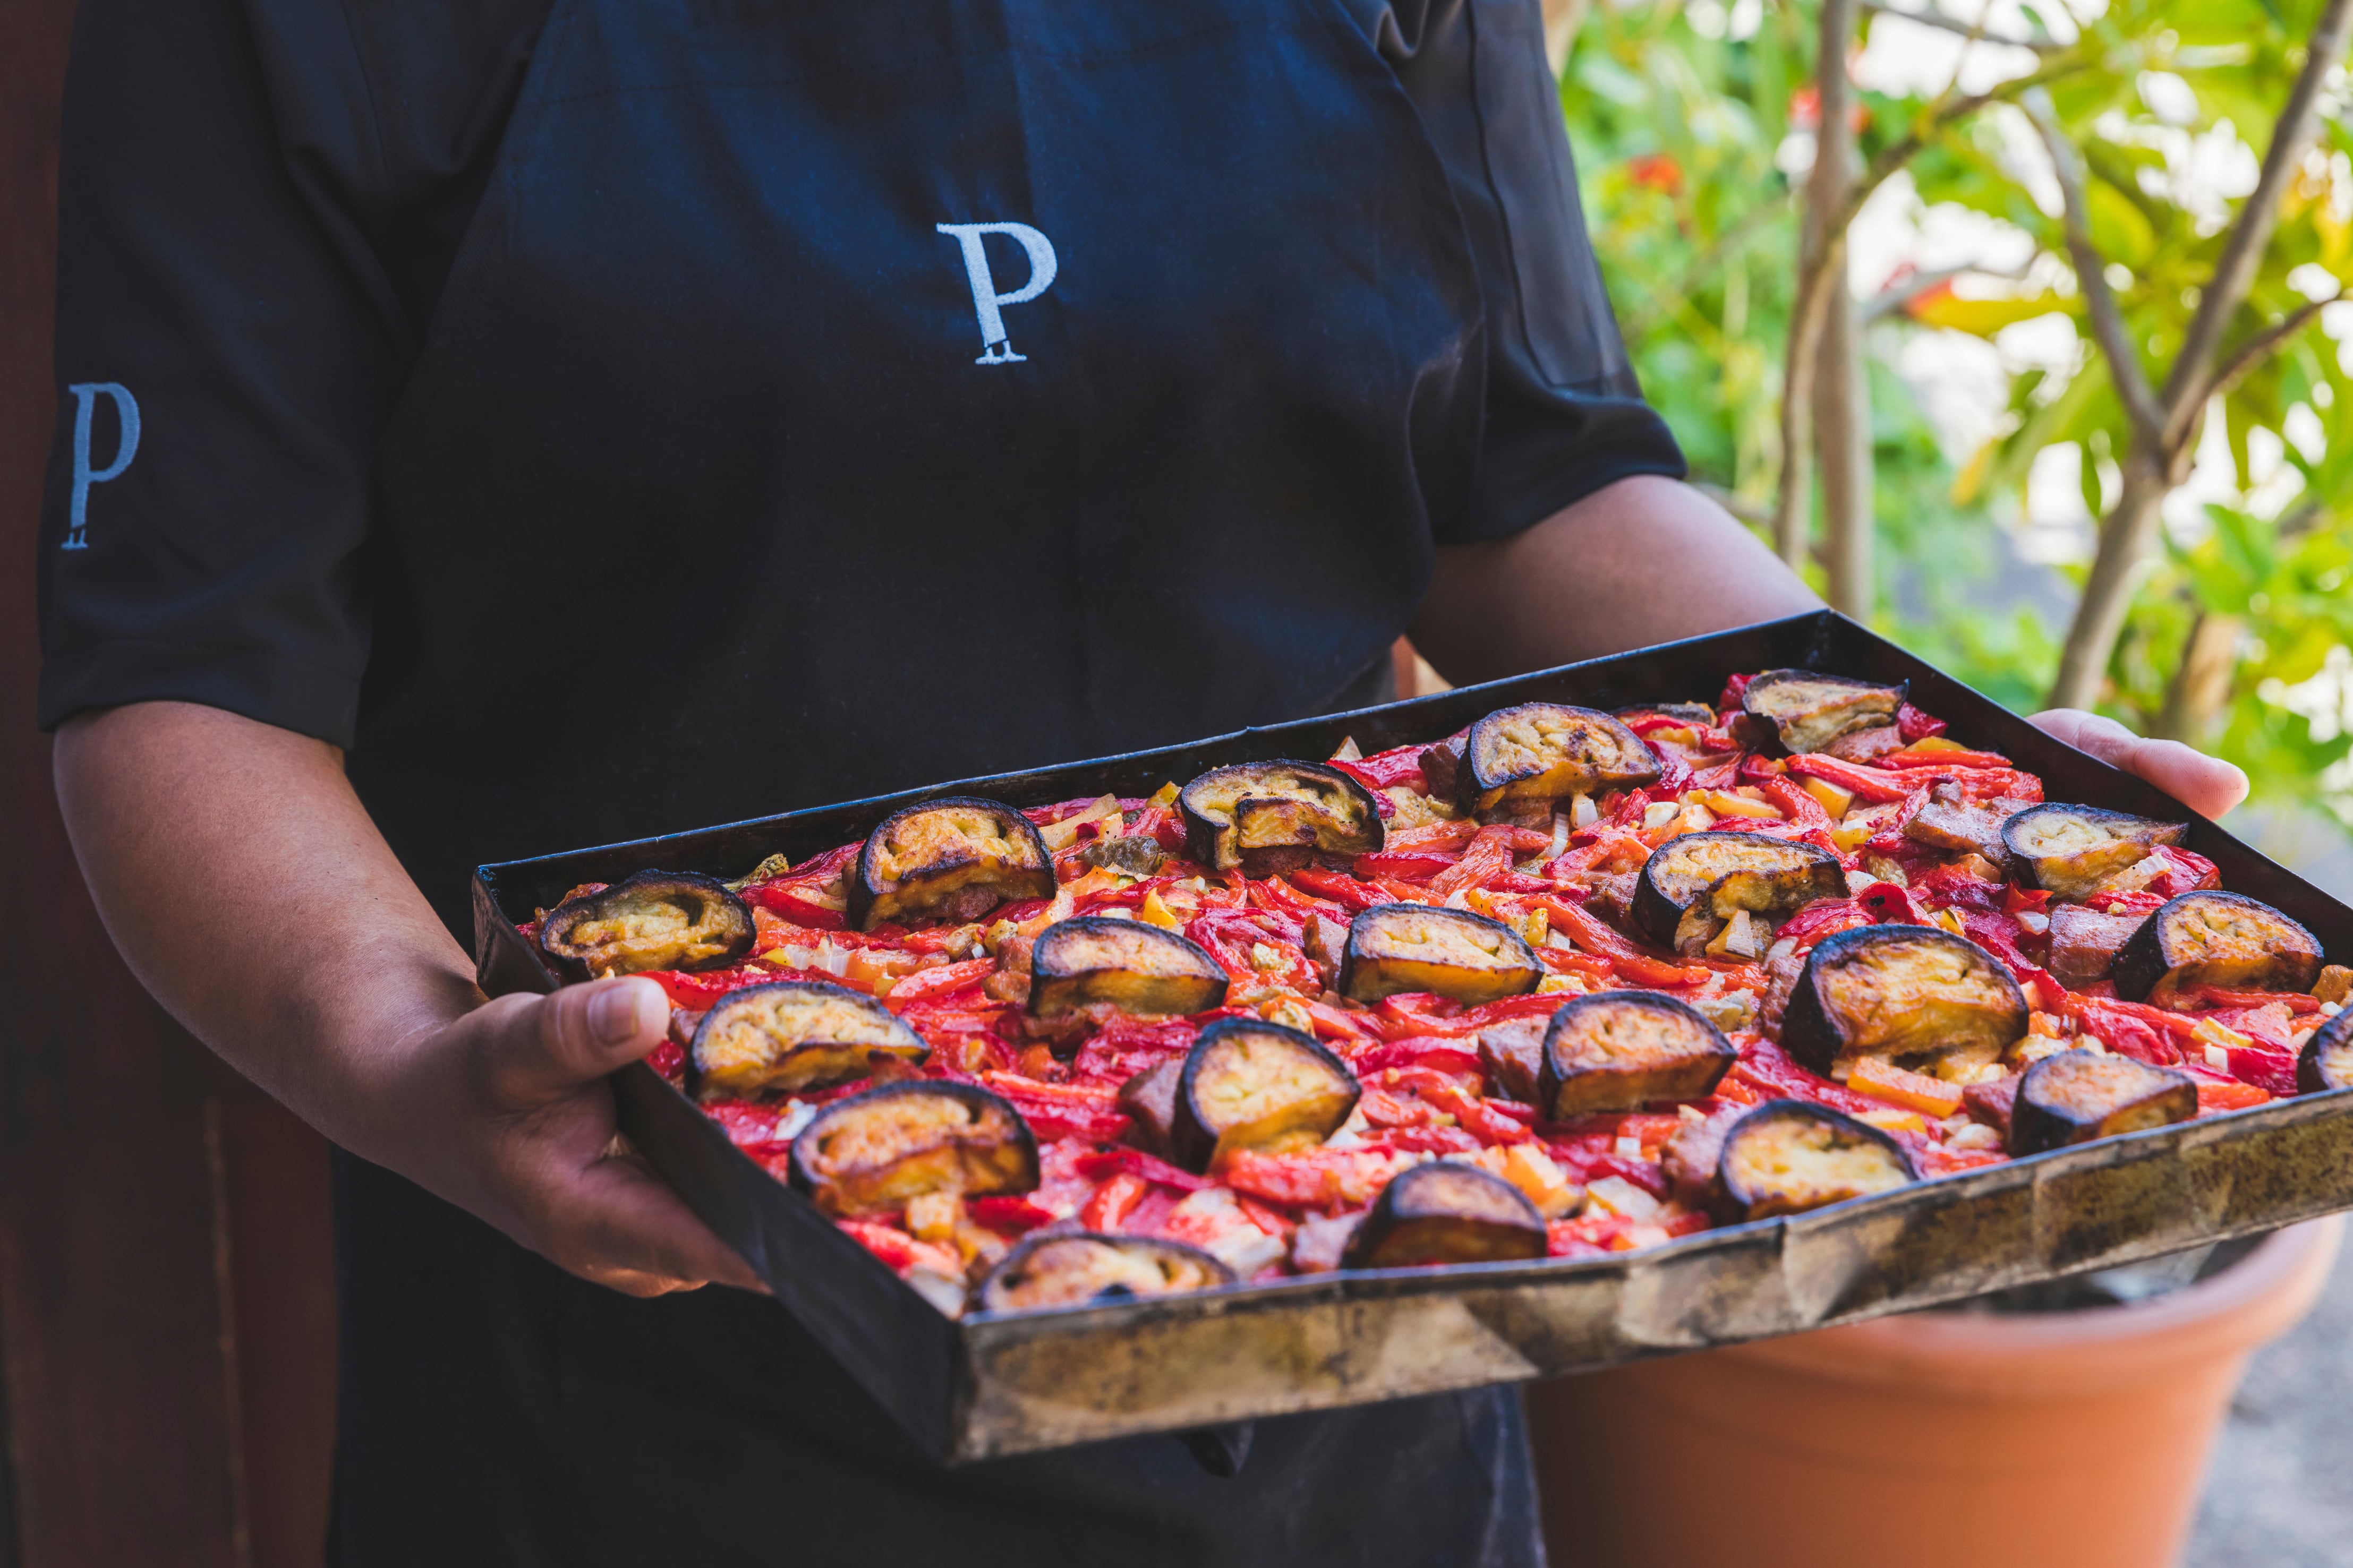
(1658, 171)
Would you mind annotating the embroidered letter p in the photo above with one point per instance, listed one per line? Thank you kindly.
(126, 409)
(984, 296)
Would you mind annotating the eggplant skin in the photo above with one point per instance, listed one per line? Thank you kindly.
(1396, 948)
(2327, 1060)
(1446, 1212)
(956, 858)
(1787, 1157)
(1249, 1084)
(1616, 1050)
(1905, 993)
(1257, 816)
(873, 1151)
(1544, 751)
(1730, 871)
(2070, 850)
(2214, 938)
(767, 1040)
(1085, 1268)
(1135, 967)
(1149, 1098)
(2079, 1095)
(654, 920)
(1808, 710)
(1699, 715)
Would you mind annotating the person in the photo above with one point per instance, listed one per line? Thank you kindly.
(495, 429)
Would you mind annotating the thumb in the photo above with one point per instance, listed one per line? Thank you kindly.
(549, 1045)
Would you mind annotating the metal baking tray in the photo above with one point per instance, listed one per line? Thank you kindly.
(988, 1386)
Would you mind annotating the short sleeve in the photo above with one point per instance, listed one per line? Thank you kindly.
(1565, 416)
(226, 353)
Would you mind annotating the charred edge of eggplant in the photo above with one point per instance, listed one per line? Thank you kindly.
(2119, 840)
(1484, 781)
(2079, 1095)
(1056, 986)
(869, 903)
(1742, 1200)
(1212, 839)
(1699, 715)
(2327, 1060)
(2148, 966)
(728, 911)
(1788, 730)
(1139, 1267)
(1811, 1036)
(1446, 1212)
(1195, 1143)
(1367, 976)
(1687, 1060)
(1804, 872)
(900, 1042)
(825, 1189)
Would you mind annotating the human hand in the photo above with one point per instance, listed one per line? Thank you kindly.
(506, 1113)
(2207, 785)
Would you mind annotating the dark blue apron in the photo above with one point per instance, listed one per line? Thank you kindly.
(885, 392)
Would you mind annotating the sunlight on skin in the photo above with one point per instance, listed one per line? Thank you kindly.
(2207, 785)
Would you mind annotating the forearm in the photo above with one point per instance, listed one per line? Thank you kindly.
(251, 893)
(1646, 560)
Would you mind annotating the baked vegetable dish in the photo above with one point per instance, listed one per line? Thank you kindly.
(1564, 983)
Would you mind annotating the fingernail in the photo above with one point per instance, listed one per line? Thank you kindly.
(614, 1012)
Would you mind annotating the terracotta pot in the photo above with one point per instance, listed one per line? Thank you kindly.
(1935, 1439)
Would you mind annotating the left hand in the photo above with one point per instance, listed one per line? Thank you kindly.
(2207, 785)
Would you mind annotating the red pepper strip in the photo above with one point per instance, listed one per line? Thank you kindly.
(1649, 725)
(1440, 1052)
(1113, 1202)
(1280, 896)
(1014, 1086)
(941, 980)
(1386, 770)
(778, 899)
(1643, 970)
(1824, 917)
(1488, 1012)
(1490, 853)
(1769, 1068)
(1345, 891)
(1908, 759)
(696, 993)
(1016, 1214)
(1452, 836)
(1878, 785)
(2293, 1001)
(1110, 1161)
(1800, 808)
(1586, 930)
(2215, 1095)
(1889, 904)
(2185, 873)
(1322, 1178)
(895, 1248)
(2018, 901)
(2272, 1071)
(1674, 774)
(1408, 865)
(1914, 725)
(1561, 961)
(1736, 688)
(669, 1059)
(1471, 1113)
(1332, 1023)
(1403, 892)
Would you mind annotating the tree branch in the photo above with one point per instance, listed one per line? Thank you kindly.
(2264, 344)
(2107, 320)
(2192, 381)
(1943, 22)
(1889, 300)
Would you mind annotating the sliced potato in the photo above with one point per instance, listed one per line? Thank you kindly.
(2327, 1060)
(1446, 1212)
(2077, 1096)
(1249, 1084)
(1262, 818)
(956, 858)
(1077, 1271)
(1135, 967)
(797, 1035)
(873, 1153)
(2071, 849)
(1786, 1157)
(1543, 751)
(1913, 996)
(654, 920)
(1808, 710)
(2215, 939)
(1395, 948)
(1719, 873)
(1616, 1050)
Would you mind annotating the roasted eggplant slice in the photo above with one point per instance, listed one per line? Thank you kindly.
(1720, 873)
(1073, 1271)
(1616, 1050)
(1394, 948)
(2327, 1060)
(1786, 1157)
(1135, 967)
(956, 858)
(797, 1035)
(1807, 712)
(2077, 1096)
(1446, 1212)
(656, 919)
(873, 1151)
(1949, 820)
(1542, 751)
(1511, 1054)
(2071, 849)
(1268, 816)
(1913, 995)
(2214, 938)
(1249, 1084)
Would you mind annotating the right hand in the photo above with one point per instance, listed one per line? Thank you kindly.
(506, 1113)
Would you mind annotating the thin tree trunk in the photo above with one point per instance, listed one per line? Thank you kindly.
(2107, 594)
(1842, 442)
(1824, 299)
(2200, 688)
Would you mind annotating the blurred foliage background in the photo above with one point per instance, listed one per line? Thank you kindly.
(1998, 432)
